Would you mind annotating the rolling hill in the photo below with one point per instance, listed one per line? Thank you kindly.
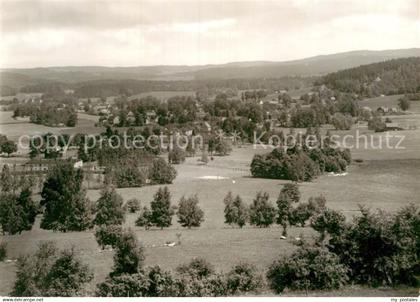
(319, 65)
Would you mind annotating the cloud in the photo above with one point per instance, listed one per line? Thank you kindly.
(45, 33)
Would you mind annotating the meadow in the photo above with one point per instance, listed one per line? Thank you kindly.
(15, 128)
(386, 184)
(381, 179)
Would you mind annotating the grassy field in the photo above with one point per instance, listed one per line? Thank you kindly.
(388, 101)
(385, 179)
(15, 128)
(387, 184)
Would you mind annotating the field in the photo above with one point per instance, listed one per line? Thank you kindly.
(388, 101)
(387, 184)
(15, 128)
(385, 179)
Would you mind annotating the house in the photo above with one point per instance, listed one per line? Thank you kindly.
(78, 164)
(393, 126)
(151, 117)
(116, 120)
(130, 117)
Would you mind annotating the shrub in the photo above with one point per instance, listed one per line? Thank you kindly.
(161, 283)
(341, 121)
(317, 204)
(376, 124)
(212, 286)
(176, 155)
(404, 103)
(198, 268)
(132, 205)
(124, 285)
(309, 268)
(128, 176)
(108, 235)
(243, 278)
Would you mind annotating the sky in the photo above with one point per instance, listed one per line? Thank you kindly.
(42, 33)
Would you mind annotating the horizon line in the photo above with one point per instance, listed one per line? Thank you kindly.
(215, 64)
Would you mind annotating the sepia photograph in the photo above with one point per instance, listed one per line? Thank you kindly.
(261, 149)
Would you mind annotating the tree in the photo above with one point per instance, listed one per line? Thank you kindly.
(3, 251)
(289, 194)
(261, 211)
(67, 276)
(161, 208)
(129, 255)
(28, 208)
(404, 103)
(17, 212)
(6, 179)
(145, 218)
(64, 199)
(8, 147)
(342, 122)
(236, 212)
(300, 214)
(109, 210)
(161, 172)
(108, 235)
(377, 124)
(328, 221)
(50, 273)
(378, 247)
(189, 213)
